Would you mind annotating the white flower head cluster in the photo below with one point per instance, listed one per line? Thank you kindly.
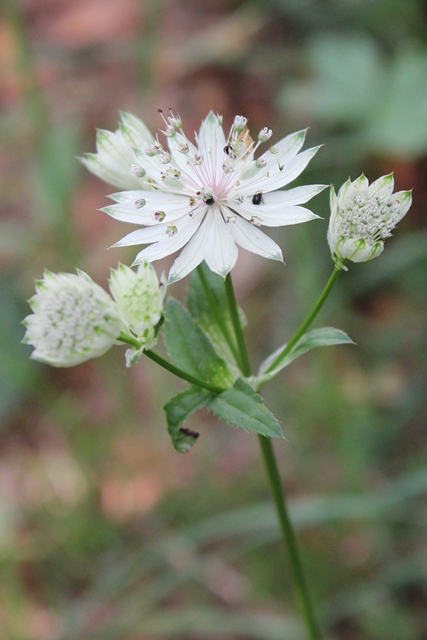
(139, 296)
(204, 198)
(74, 320)
(363, 216)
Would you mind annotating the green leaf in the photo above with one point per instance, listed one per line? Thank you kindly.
(326, 336)
(190, 349)
(208, 304)
(242, 407)
(178, 409)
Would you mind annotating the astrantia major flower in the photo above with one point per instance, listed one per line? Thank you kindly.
(204, 198)
(73, 320)
(139, 296)
(363, 216)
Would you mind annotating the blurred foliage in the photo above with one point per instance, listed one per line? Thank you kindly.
(383, 105)
(105, 531)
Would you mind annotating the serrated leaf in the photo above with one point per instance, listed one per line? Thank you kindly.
(326, 336)
(190, 349)
(242, 407)
(208, 304)
(178, 409)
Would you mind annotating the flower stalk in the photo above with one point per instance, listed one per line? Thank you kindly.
(307, 322)
(155, 357)
(182, 374)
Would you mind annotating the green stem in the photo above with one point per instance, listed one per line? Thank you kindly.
(288, 535)
(301, 588)
(243, 354)
(133, 342)
(307, 322)
(216, 312)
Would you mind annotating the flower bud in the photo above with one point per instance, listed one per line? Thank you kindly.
(74, 320)
(139, 296)
(363, 216)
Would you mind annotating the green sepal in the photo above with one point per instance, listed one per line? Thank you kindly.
(242, 407)
(190, 349)
(326, 336)
(178, 409)
(209, 306)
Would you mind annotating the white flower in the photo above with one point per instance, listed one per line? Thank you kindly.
(74, 320)
(204, 198)
(363, 216)
(139, 297)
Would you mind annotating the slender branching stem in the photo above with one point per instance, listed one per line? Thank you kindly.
(133, 342)
(288, 535)
(307, 322)
(244, 363)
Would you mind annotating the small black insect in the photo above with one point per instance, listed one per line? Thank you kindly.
(257, 198)
(227, 149)
(210, 201)
(189, 432)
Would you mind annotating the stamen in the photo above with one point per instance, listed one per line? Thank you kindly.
(265, 134)
(164, 157)
(153, 149)
(137, 171)
(239, 123)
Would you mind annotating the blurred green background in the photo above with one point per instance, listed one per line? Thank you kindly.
(106, 533)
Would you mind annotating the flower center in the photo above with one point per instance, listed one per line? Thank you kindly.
(369, 217)
(70, 319)
(208, 196)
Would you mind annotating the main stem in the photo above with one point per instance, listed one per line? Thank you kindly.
(288, 535)
(301, 587)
